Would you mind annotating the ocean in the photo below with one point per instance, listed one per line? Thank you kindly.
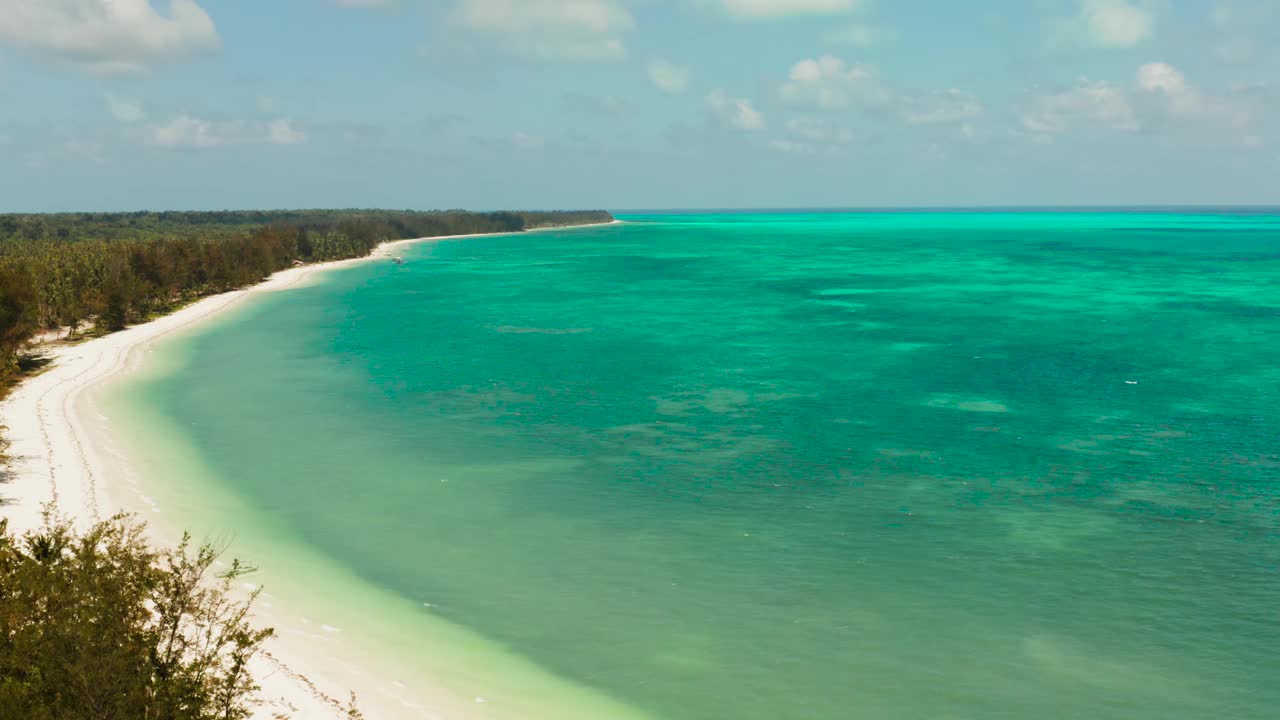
(752, 466)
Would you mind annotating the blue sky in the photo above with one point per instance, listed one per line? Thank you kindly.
(152, 104)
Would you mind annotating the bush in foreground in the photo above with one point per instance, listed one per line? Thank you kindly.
(98, 625)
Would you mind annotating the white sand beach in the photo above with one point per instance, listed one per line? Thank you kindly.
(64, 458)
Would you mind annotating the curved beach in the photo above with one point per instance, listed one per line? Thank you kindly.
(66, 457)
(705, 466)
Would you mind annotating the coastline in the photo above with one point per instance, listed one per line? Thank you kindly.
(64, 454)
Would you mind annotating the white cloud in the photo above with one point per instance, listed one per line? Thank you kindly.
(668, 77)
(283, 132)
(769, 9)
(108, 35)
(735, 113)
(940, 108)
(563, 30)
(1116, 23)
(1162, 77)
(1161, 100)
(186, 131)
(1168, 82)
(828, 83)
(126, 111)
(1175, 99)
(1087, 104)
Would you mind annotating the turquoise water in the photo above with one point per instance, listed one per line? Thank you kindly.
(820, 466)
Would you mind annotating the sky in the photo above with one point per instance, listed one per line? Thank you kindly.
(624, 104)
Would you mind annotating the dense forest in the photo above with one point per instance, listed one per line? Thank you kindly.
(108, 270)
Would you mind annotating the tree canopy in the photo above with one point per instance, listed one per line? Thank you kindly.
(113, 269)
(99, 626)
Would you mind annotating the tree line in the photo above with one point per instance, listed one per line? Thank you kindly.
(114, 269)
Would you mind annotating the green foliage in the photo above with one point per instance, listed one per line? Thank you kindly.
(99, 625)
(113, 269)
(17, 315)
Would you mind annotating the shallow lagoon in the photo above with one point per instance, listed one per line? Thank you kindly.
(760, 466)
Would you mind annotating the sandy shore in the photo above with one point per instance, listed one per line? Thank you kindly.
(64, 457)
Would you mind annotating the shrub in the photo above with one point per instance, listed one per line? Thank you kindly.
(98, 625)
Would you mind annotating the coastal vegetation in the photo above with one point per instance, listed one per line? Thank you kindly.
(100, 624)
(97, 625)
(109, 270)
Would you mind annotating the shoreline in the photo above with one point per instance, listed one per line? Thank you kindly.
(63, 453)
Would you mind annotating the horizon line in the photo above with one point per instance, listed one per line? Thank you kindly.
(953, 208)
(710, 209)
